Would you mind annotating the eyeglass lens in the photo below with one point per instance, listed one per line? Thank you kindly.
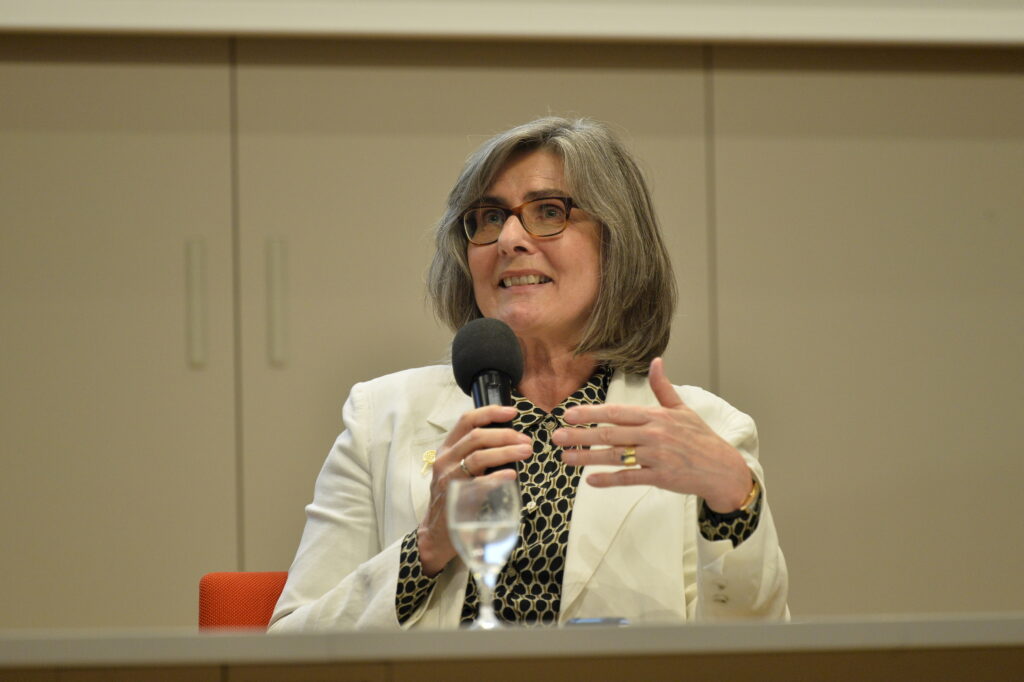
(541, 217)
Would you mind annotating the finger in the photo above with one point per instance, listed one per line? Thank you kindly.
(481, 416)
(662, 387)
(480, 439)
(581, 457)
(623, 415)
(599, 435)
(624, 477)
(481, 460)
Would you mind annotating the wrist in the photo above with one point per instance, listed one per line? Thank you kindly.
(432, 561)
(739, 498)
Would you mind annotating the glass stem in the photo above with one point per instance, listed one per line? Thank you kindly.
(487, 582)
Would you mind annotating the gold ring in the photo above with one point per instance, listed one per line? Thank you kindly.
(465, 469)
(629, 456)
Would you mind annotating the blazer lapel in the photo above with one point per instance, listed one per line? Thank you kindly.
(598, 513)
(448, 407)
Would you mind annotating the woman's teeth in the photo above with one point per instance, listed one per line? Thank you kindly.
(525, 279)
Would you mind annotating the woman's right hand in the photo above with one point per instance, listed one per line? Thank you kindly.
(480, 448)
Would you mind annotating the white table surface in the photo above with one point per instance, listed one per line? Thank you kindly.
(189, 647)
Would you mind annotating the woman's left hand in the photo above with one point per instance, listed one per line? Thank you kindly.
(675, 449)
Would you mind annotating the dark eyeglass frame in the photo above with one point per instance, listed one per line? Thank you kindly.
(518, 213)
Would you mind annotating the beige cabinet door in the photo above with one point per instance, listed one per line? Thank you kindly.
(870, 242)
(117, 487)
(347, 151)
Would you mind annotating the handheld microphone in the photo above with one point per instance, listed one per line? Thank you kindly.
(487, 363)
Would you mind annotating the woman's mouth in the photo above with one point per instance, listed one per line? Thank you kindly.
(523, 280)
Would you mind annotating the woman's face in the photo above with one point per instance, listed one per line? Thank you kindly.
(556, 308)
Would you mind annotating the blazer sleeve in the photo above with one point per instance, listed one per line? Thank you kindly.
(341, 576)
(749, 581)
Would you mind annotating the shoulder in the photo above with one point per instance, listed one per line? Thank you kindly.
(636, 388)
(701, 400)
(407, 393)
(430, 377)
(714, 410)
(408, 385)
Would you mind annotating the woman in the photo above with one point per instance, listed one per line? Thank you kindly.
(551, 230)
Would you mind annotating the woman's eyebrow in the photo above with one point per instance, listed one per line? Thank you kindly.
(489, 201)
(529, 196)
(545, 193)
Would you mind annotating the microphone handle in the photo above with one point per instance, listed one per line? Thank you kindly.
(492, 387)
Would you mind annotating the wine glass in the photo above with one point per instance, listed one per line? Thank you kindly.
(483, 522)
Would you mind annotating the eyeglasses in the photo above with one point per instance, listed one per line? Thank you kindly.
(544, 217)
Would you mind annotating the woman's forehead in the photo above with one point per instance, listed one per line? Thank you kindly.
(530, 172)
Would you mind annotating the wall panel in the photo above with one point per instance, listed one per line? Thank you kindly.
(118, 456)
(869, 237)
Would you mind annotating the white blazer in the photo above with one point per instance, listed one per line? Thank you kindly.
(633, 551)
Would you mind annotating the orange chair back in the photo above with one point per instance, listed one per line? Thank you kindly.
(239, 599)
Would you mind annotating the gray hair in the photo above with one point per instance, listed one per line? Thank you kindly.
(631, 320)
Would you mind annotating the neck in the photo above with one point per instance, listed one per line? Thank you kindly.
(550, 375)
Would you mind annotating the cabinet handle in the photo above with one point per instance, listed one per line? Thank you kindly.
(195, 302)
(277, 294)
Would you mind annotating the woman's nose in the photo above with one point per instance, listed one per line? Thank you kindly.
(514, 237)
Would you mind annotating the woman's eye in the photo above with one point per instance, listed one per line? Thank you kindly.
(552, 211)
(492, 216)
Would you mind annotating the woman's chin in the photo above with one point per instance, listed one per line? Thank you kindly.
(522, 322)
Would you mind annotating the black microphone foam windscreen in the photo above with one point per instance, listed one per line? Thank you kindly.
(485, 344)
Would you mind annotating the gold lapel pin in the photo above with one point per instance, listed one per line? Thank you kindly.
(428, 460)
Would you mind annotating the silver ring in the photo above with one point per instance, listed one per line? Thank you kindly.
(465, 469)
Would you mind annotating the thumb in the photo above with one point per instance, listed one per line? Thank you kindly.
(662, 387)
